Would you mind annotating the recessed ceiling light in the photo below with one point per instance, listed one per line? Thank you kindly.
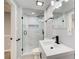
(33, 13)
(66, 0)
(39, 3)
(52, 3)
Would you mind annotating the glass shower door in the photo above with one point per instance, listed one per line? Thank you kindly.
(32, 33)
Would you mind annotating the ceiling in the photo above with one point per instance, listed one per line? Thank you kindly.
(28, 12)
(66, 6)
(32, 4)
(29, 6)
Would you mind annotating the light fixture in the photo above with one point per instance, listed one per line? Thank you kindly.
(58, 5)
(39, 3)
(33, 13)
(52, 3)
(57, 0)
(66, 0)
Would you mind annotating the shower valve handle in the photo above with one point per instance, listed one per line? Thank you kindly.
(18, 39)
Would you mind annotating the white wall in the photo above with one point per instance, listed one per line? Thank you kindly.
(13, 31)
(7, 30)
(48, 14)
(67, 37)
(16, 31)
(16, 14)
(19, 32)
(57, 27)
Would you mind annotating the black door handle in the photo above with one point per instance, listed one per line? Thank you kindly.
(11, 38)
(18, 39)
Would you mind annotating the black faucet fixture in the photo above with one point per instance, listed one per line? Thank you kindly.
(57, 39)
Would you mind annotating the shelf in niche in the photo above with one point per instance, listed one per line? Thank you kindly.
(32, 25)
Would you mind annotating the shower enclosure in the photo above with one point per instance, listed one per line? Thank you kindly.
(32, 32)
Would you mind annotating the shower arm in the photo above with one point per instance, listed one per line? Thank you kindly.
(49, 19)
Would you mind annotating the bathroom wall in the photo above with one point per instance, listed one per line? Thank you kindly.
(58, 27)
(19, 32)
(67, 37)
(47, 14)
(7, 30)
(16, 31)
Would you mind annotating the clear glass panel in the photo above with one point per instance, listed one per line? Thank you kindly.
(32, 33)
